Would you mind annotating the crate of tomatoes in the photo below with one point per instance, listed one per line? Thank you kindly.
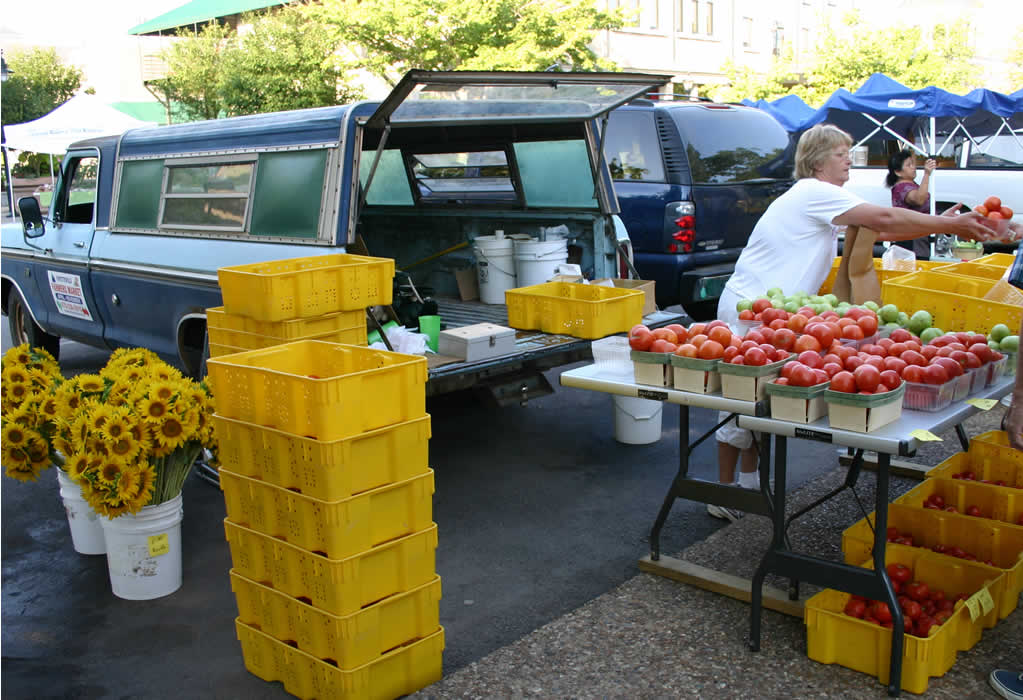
(944, 605)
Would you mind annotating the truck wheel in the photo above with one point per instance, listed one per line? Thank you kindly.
(24, 329)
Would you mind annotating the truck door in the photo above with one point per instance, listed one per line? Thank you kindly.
(62, 271)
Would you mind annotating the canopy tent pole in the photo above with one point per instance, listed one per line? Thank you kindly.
(53, 184)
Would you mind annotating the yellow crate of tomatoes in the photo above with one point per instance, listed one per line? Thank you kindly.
(989, 461)
(995, 544)
(945, 603)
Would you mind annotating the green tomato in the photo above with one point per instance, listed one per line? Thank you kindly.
(872, 305)
(1009, 343)
(775, 292)
(999, 331)
(889, 313)
(902, 319)
(930, 334)
(744, 305)
(919, 321)
(830, 299)
(791, 306)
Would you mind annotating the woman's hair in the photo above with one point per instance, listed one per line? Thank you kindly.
(815, 145)
(895, 164)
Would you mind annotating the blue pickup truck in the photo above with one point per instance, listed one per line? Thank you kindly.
(140, 223)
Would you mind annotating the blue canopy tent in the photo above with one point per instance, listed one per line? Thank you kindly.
(790, 111)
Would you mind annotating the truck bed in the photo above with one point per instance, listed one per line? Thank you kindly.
(534, 350)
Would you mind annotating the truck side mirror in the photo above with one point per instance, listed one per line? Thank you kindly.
(31, 217)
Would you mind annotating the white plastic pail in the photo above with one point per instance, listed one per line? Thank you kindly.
(86, 530)
(495, 266)
(637, 421)
(537, 261)
(144, 551)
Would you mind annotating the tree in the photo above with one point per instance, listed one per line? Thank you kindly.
(38, 83)
(284, 60)
(1015, 60)
(393, 36)
(848, 55)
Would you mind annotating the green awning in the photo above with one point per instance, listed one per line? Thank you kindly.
(145, 111)
(198, 11)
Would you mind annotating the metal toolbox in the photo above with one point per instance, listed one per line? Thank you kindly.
(477, 342)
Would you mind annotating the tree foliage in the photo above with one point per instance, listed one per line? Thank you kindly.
(848, 54)
(282, 60)
(394, 36)
(1015, 60)
(38, 83)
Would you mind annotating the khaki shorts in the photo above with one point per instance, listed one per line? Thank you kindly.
(733, 435)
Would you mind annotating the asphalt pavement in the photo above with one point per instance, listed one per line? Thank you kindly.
(539, 511)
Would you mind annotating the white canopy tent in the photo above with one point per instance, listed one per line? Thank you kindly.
(82, 117)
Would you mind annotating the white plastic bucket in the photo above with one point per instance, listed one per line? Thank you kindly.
(495, 266)
(637, 421)
(86, 530)
(537, 261)
(144, 551)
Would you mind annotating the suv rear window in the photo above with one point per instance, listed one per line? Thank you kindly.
(631, 147)
(729, 144)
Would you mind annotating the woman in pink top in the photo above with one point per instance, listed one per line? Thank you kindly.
(906, 194)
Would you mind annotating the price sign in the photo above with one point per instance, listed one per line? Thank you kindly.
(974, 606)
(158, 544)
(987, 603)
(983, 404)
(924, 435)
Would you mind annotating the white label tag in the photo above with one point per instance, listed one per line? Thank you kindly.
(68, 295)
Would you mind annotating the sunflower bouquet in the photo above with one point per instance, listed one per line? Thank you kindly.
(28, 412)
(132, 432)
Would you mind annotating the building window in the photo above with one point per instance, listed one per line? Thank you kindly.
(747, 32)
(804, 39)
(779, 38)
(651, 14)
(694, 16)
(709, 19)
(680, 25)
(631, 11)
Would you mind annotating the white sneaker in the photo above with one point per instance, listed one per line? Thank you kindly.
(724, 513)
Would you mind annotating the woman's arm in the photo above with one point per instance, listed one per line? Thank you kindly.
(904, 224)
(918, 195)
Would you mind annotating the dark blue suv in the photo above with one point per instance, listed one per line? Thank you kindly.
(692, 179)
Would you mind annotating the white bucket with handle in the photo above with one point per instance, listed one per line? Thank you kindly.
(495, 266)
(537, 261)
(637, 421)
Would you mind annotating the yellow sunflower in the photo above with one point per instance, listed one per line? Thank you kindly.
(164, 390)
(16, 374)
(18, 466)
(99, 415)
(77, 465)
(153, 409)
(170, 433)
(110, 471)
(14, 435)
(50, 407)
(17, 391)
(90, 383)
(21, 355)
(125, 447)
(128, 485)
(147, 481)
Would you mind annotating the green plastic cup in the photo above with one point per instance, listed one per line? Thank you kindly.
(430, 326)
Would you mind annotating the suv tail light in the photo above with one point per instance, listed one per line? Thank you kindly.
(681, 225)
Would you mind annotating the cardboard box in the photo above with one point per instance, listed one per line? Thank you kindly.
(574, 279)
(645, 286)
(468, 283)
(476, 342)
(798, 410)
(864, 413)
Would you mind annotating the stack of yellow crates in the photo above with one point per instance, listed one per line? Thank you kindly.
(323, 450)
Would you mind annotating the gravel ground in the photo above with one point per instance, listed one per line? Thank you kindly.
(655, 638)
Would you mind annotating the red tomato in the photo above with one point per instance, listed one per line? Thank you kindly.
(872, 349)
(880, 611)
(665, 334)
(895, 363)
(912, 357)
(918, 591)
(807, 342)
(721, 334)
(687, 350)
(711, 350)
(824, 333)
(811, 359)
(974, 511)
(993, 203)
(853, 332)
(761, 305)
(900, 335)
(730, 352)
(755, 357)
(851, 363)
(716, 323)
(855, 608)
(912, 609)
(899, 572)
(981, 350)
(875, 361)
(845, 382)
(867, 377)
(913, 373)
(891, 379)
(679, 330)
(784, 338)
(737, 360)
(802, 376)
(746, 315)
(831, 368)
(662, 345)
(641, 339)
(755, 335)
(697, 339)
(768, 333)
(929, 351)
(868, 324)
(796, 323)
(935, 374)
(1007, 213)
(973, 361)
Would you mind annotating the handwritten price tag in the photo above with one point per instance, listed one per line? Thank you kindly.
(983, 404)
(974, 606)
(158, 544)
(924, 435)
(987, 603)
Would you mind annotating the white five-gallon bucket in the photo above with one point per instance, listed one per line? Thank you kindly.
(637, 421)
(86, 530)
(495, 266)
(537, 261)
(144, 551)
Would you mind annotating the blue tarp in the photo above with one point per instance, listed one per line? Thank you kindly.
(790, 111)
(884, 98)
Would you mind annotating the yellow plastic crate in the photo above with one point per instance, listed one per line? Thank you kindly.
(882, 274)
(279, 290)
(579, 310)
(331, 470)
(1002, 260)
(399, 672)
(349, 641)
(995, 502)
(295, 329)
(224, 350)
(986, 539)
(320, 390)
(339, 586)
(972, 268)
(335, 529)
(989, 457)
(955, 302)
(255, 341)
(834, 637)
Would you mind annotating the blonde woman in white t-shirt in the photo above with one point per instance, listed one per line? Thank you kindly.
(792, 248)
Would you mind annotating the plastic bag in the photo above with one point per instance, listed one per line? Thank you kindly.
(898, 258)
(403, 340)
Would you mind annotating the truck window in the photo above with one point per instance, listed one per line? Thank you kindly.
(1001, 151)
(77, 202)
(631, 147)
(475, 175)
(730, 146)
(288, 194)
(138, 198)
(390, 183)
(556, 174)
(208, 196)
